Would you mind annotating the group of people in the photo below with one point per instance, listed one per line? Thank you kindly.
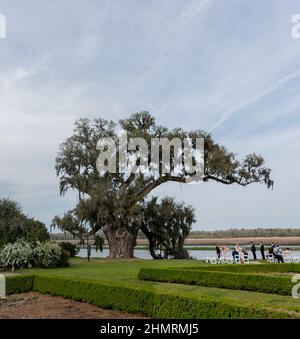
(275, 250)
(278, 253)
(224, 252)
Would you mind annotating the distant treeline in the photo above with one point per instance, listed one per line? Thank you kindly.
(247, 233)
(62, 236)
(230, 233)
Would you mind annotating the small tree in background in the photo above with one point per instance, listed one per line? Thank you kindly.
(166, 225)
(15, 225)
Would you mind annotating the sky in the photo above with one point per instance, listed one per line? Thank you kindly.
(230, 67)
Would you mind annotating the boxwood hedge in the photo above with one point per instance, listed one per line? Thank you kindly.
(236, 281)
(19, 284)
(252, 268)
(150, 303)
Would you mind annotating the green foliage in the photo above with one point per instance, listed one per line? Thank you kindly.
(112, 202)
(14, 225)
(166, 225)
(238, 281)
(252, 268)
(11, 221)
(69, 247)
(64, 258)
(70, 223)
(19, 284)
(124, 274)
(17, 255)
(150, 303)
(36, 231)
(99, 243)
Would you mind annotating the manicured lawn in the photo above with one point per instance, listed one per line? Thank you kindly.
(125, 273)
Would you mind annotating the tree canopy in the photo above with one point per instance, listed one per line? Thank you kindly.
(14, 224)
(112, 202)
(167, 224)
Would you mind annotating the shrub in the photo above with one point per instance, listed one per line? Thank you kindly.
(19, 284)
(16, 255)
(50, 255)
(252, 268)
(64, 258)
(236, 281)
(71, 248)
(152, 303)
(14, 225)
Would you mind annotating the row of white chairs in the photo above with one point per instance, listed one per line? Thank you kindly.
(223, 260)
(288, 258)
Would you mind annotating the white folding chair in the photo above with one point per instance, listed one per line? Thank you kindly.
(246, 259)
(287, 258)
(237, 259)
(270, 257)
(210, 260)
(223, 260)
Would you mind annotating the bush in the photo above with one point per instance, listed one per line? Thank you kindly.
(252, 268)
(64, 259)
(19, 284)
(235, 281)
(50, 255)
(16, 255)
(14, 225)
(71, 248)
(151, 303)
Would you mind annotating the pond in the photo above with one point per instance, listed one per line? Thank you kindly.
(144, 254)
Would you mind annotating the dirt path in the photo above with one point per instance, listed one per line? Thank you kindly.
(34, 305)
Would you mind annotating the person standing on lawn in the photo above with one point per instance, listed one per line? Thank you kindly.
(278, 253)
(262, 251)
(253, 250)
(89, 251)
(218, 250)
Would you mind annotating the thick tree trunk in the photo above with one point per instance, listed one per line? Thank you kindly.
(121, 242)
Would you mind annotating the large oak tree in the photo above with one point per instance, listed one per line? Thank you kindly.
(113, 202)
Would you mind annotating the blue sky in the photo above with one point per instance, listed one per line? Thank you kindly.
(226, 66)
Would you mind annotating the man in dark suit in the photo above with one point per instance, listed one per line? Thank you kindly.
(253, 250)
(262, 251)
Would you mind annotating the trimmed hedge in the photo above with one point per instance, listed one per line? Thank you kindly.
(234, 281)
(252, 268)
(19, 284)
(150, 303)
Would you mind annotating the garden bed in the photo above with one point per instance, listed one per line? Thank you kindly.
(141, 301)
(33, 305)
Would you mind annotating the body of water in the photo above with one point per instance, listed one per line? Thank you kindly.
(144, 254)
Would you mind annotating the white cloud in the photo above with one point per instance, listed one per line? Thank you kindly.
(277, 85)
(193, 9)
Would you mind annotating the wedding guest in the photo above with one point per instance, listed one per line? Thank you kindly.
(253, 250)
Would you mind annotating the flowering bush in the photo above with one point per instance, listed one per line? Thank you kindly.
(48, 255)
(21, 254)
(16, 255)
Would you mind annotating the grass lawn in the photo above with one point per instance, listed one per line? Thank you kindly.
(124, 273)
